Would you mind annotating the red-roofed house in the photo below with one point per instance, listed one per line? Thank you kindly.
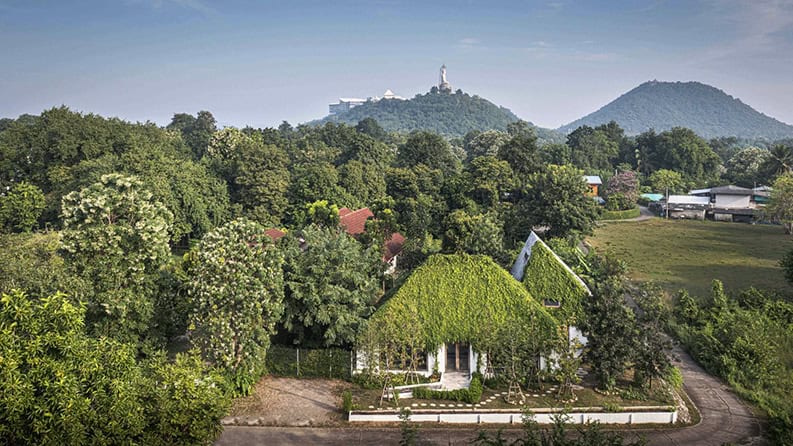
(275, 234)
(354, 222)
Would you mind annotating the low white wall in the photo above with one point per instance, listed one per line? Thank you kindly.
(515, 417)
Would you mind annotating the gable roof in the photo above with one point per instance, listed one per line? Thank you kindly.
(393, 246)
(275, 234)
(354, 222)
(593, 179)
(548, 278)
(730, 190)
(459, 298)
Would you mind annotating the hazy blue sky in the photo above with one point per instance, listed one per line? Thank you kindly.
(260, 62)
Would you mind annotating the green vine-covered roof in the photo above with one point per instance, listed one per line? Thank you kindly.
(459, 298)
(548, 278)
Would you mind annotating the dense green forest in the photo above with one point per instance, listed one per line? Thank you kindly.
(706, 110)
(123, 241)
(451, 115)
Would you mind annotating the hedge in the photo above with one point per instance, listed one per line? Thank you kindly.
(309, 363)
(471, 395)
(620, 215)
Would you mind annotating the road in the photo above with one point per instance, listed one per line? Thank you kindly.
(725, 419)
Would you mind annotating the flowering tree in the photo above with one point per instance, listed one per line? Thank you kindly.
(236, 294)
(622, 190)
(115, 237)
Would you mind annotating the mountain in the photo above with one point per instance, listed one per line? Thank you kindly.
(708, 111)
(448, 114)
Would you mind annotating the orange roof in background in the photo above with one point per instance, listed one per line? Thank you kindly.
(354, 222)
(274, 233)
(393, 246)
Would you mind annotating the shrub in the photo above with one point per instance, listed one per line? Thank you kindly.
(620, 215)
(346, 401)
(674, 378)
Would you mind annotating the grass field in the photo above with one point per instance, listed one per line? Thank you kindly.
(690, 254)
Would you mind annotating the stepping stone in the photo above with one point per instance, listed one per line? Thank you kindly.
(536, 396)
(459, 405)
(442, 405)
(468, 405)
(432, 404)
(371, 407)
(414, 405)
(423, 404)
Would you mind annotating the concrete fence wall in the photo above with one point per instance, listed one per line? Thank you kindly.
(515, 417)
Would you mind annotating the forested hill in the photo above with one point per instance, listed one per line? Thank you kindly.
(451, 115)
(708, 111)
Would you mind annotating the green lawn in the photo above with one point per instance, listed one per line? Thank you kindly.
(690, 254)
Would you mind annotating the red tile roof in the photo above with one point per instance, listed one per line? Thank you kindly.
(275, 234)
(354, 222)
(393, 246)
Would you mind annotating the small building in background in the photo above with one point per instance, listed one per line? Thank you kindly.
(593, 181)
(687, 207)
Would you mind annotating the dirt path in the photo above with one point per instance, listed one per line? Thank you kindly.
(291, 402)
(725, 419)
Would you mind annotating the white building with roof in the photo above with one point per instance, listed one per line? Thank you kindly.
(347, 104)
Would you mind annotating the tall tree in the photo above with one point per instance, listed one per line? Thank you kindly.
(429, 149)
(236, 291)
(115, 238)
(521, 151)
(746, 168)
(557, 198)
(332, 284)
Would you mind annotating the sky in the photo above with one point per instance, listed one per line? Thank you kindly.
(259, 63)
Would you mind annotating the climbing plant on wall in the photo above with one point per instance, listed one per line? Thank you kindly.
(548, 279)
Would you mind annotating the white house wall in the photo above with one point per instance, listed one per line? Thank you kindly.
(732, 201)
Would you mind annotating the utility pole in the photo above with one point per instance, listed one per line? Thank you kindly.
(667, 202)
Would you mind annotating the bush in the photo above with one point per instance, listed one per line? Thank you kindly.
(674, 378)
(346, 401)
(620, 215)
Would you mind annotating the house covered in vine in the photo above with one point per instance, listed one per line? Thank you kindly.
(455, 309)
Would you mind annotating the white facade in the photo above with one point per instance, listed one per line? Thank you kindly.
(727, 201)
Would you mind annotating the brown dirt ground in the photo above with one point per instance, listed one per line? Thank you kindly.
(292, 402)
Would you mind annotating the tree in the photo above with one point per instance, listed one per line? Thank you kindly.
(556, 198)
(490, 179)
(681, 150)
(21, 207)
(236, 290)
(485, 143)
(331, 286)
(369, 126)
(429, 149)
(745, 168)
(591, 148)
(115, 238)
(622, 191)
(651, 360)
(474, 234)
(364, 183)
(786, 263)
(779, 161)
(520, 151)
(664, 180)
(196, 132)
(61, 386)
(780, 203)
(609, 324)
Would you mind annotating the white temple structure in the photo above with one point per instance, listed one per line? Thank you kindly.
(347, 104)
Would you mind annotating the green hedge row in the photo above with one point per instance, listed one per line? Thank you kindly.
(621, 215)
(309, 363)
(471, 395)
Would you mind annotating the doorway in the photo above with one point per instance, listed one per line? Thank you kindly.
(458, 357)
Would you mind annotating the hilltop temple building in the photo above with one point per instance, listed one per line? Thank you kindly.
(347, 104)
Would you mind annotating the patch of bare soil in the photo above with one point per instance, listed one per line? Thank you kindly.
(291, 402)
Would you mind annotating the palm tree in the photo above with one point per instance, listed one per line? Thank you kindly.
(780, 161)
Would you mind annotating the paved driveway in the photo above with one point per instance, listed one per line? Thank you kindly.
(725, 419)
